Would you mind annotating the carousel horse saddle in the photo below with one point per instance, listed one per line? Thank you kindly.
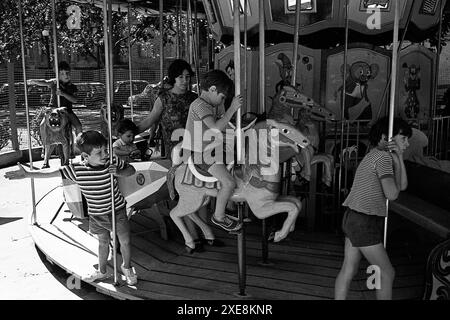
(257, 182)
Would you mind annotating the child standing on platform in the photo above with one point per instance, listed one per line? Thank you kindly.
(93, 177)
(381, 175)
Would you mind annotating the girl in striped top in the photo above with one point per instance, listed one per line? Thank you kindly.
(381, 175)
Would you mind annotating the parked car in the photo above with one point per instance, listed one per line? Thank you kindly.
(147, 97)
(36, 95)
(122, 90)
(90, 94)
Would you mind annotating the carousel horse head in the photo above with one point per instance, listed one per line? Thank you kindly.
(289, 100)
(287, 138)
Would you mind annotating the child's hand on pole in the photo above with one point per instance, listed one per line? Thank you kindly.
(18, 174)
(236, 103)
(112, 169)
(394, 147)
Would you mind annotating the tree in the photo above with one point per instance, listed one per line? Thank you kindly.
(87, 41)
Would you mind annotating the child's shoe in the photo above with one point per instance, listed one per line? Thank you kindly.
(227, 223)
(130, 275)
(96, 275)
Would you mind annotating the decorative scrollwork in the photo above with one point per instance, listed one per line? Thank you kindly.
(438, 273)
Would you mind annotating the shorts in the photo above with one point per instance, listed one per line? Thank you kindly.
(103, 223)
(362, 229)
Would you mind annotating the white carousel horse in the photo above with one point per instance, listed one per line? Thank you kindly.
(256, 184)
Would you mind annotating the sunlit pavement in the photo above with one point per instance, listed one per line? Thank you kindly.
(24, 272)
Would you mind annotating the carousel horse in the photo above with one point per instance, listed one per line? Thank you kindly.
(255, 183)
(117, 114)
(288, 102)
(55, 129)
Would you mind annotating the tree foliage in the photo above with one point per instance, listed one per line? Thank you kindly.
(87, 41)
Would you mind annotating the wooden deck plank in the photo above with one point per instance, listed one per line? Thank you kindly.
(207, 286)
(305, 266)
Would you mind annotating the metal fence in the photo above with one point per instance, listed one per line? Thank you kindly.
(91, 94)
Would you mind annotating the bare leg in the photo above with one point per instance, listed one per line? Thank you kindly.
(125, 246)
(377, 256)
(227, 187)
(349, 269)
(103, 251)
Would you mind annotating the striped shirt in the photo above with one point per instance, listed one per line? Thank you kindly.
(95, 185)
(366, 195)
(196, 127)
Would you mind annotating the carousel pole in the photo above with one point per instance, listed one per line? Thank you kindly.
(237, 83)
(178, 32)
(208, 50)
(130, 76)
(434, 127)
(27, 112)
(288, 164)
(295, 49)
(344, 81)
(402, 40)
(439, 49)
(262, 109)
(188, 32)
(161, 43)
(55, 49)
(262, 59)
(392, 102)
(111, 53)
(107, 34)
(196, 47)
(245, 53)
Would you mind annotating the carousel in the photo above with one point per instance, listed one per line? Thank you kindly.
(330, 69)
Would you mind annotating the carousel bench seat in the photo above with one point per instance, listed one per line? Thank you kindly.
(425, 202)
(423, 213)
(436, 220)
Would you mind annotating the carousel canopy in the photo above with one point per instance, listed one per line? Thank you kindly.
(322, 22)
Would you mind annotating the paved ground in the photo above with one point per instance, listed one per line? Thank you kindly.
(24, 271)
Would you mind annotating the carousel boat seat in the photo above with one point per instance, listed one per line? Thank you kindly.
(144, 190)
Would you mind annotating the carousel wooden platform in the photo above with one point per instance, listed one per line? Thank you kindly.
(304, 266)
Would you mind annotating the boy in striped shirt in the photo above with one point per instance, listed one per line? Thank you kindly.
(93, 178)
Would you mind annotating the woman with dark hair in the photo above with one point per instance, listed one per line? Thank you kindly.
(171, 108)
(172, 105)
